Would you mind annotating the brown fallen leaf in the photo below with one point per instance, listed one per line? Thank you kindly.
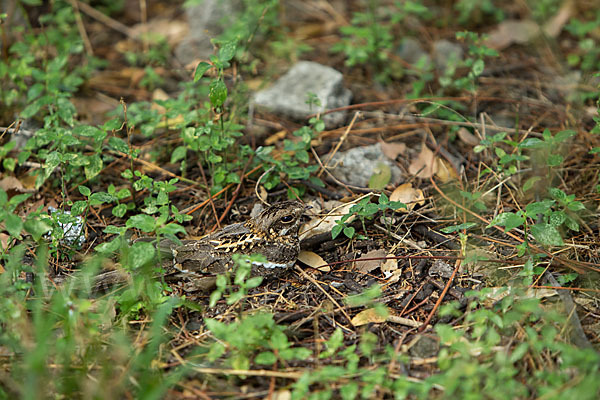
(11, 183)
(445, 171)
(368, 316)
(367, 266)
(425, 165)
(313, 260)
(322, 224)
(406, 194)
(467, 137)
(554, 25)
(390, 270)
(159, 94)
(513, 31)
(392, 149)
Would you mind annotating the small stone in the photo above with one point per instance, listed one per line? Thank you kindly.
(412, 52)
(357, 165)
(205, 21)
(445, 52)
(289, 94)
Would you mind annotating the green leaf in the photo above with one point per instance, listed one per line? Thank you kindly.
(381, 176)
(546, 234)
(90, 131)
(564, 135)
(215, 296)
(171, 229)
(557, 218)
(140, 254)
(508, 220)
(100, 198)
(279, 340)
(118, 144)
(14, 225)
(143, 222)
(530, 182)
(217, 93)
(349, 231)
(84, 190)
(336, 230)
(571, 224)
(201, 69)
(9, 163)
(93, 167)
(119, 210)
(265, 358)
(539, 207)
(178, 154)
(112, 125)
(109, 247)
(532, 143)
(456, 228)
(254, 282)
(78, 207)
(227, 51)
(36, 227)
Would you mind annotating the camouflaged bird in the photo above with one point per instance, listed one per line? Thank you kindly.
(273, 233)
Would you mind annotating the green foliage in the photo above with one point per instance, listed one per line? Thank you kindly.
(475, 63)
(587, 55)
(462, 375)
(364, 210)
(294, 161)
(61, 343)
(262, 341)
(471, 11)
(243, 281)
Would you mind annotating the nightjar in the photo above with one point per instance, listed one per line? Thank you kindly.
(273, 233)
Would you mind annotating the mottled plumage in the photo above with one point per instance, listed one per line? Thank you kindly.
(273, 233)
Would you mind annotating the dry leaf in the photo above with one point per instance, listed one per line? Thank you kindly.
(159, 94)
(11, 183)
(172, 30)
(393, 149)
(262, 193)
(425, 165)
(467, 137)
(313, 260)
(369, 265)
(407, 195)
(368, 316)
(445, 171)
(554, 25)
(390, 269)
(321, 224)
(281, 395)
(513, 31)
(276, 137)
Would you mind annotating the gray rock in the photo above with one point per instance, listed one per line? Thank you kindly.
(412, 52)
(357, 165)
(206, 22)
(445, 52)
(289, 94)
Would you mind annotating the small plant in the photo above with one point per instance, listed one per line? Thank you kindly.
(475, 63)
(473, 11)
(293, 161)
(263, 342)
(367, 41)
(364, 210)
(243, 267)
(586, 56)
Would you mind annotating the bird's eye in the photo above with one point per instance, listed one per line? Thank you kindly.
(287, 218)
